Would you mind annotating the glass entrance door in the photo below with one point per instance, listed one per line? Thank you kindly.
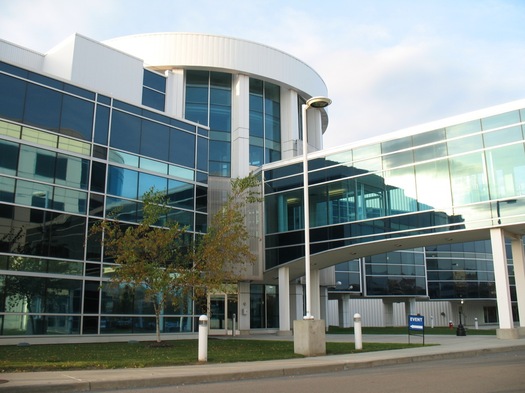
(223, 314)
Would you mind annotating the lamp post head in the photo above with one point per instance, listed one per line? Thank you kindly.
(319, 102)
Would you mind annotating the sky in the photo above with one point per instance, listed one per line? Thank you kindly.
(387, 64)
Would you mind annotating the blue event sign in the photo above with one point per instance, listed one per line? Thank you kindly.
(416, 322)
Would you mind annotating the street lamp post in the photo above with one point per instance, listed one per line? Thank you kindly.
(314, 102)
(461, 329)
(309, 333)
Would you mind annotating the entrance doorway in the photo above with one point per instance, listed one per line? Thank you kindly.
(224, 317)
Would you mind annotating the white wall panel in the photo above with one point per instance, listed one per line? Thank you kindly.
(18, 55)
(372, 312)
(98, 67)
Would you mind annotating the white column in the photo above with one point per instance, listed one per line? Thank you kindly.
(240, 137)
(175, 93)
(296, 302)
(345, 318)
(518, 260)
(497, 239)
(244, 307)
(289, 123)
(315, 133)
(284, 300)
(323, 292)
(388, 313)
(316, 294)
(411, 309)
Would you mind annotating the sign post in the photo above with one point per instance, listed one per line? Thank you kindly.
(416, 323)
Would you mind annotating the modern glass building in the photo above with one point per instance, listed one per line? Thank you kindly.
(446, 188)
(427, 216)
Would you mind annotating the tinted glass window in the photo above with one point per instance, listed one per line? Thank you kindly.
(125, 132)
(7, 190)
(45, 80)
(502, 136)
(63, 236)
(71, 171)
(148, 182)
(201, 199)
(8, 157)
(102, 125)
(256, 155)
(256, 123)
(197, 113)
(202, 154)
(197, 96)
(122, 182)
(77, 118)
(506, 163)
(153, 99)
(37, 164)
(458, 146)
(98, 176)
(396, 144)
(154, 81)
(12, 96)
(155, 140)
(70, 200)
(468, 179)
(220, 151)
(79, 92)
(220, 118)
(180, 194)
(464, 129)
(500, 120)
(182, 148)
(43, 107)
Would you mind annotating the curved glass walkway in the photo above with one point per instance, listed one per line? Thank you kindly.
(456, 180)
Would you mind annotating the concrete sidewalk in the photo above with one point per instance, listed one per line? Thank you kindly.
(97, 380)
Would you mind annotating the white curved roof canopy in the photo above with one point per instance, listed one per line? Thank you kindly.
(192, 50)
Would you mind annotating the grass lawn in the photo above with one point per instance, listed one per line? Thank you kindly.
(147, 354)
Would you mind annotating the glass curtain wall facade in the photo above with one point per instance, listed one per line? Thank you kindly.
(209, 102)
(463, 176)
(265, 122)
(69, 157)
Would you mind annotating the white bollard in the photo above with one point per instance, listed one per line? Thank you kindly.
(357, 332)
(203, 338)
(432, 321)
(476, 323)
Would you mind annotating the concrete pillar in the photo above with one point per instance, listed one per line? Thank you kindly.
(296, 302)
(316, 294)
(324, 305)
(518, 260)
(410, 308)
(343, 306)
(240, 138)
(284, 301)
(388, 312)
(506, 322)
(175, 93)
(289, 123)
(244, 307)
(315, 133)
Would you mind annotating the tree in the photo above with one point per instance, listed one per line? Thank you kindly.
(156, 254)
(150, 254)
(223, 252)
